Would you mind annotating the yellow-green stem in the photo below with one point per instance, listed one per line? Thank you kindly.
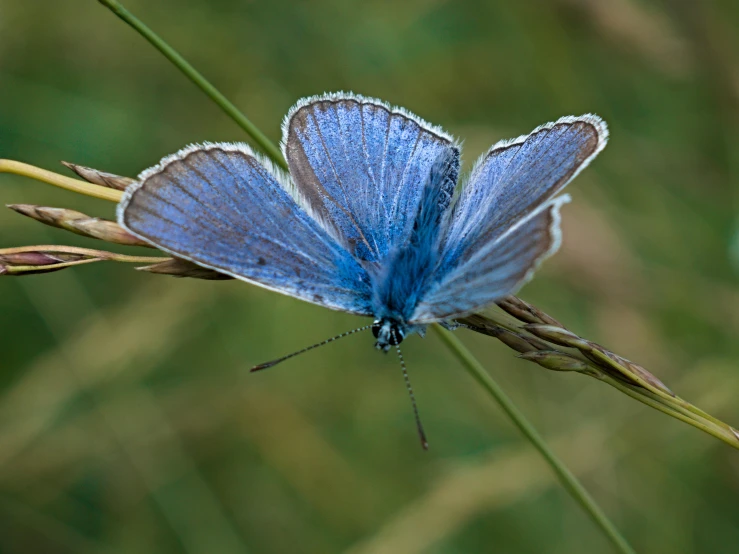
(75, 185)
(98, 254)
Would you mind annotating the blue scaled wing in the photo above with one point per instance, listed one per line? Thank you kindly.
(497, 270)
(221, 207)
(360, 167)
(505, 221)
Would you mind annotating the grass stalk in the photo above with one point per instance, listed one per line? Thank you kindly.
(565, 476)
(93, 253)
(259, 138)
(75, 185)
(22, 260)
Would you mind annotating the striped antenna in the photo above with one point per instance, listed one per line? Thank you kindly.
(332, 339)
(419, 426)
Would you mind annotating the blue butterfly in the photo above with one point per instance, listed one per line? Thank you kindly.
(369, 220)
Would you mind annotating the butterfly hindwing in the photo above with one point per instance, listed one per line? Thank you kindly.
(220, 206)
(361, 165)
(497, 270)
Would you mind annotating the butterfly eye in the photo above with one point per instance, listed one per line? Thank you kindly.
(376, 326)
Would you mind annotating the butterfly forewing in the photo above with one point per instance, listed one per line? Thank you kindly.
(516, 177)
(361, 165)
(218, 205)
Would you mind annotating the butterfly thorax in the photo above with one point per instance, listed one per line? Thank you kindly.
(407, 272)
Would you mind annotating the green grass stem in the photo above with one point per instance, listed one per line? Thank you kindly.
(196, 77)
(565, 476)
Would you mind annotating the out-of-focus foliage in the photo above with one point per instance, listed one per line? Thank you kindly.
(128, 421)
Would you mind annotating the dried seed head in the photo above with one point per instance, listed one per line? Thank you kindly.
(556, 361)
(648, 377)
(555, 334)
(50, 216)
(182, 268)
(79, 223)
(29, 258)
(512, 340)
(526, 312)
(620, 367)
(105, 230)
(612, 364)
(37, 261)
(481, 324)
(100, 177)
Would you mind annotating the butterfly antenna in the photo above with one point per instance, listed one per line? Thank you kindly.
(419, 425)
(332, 339)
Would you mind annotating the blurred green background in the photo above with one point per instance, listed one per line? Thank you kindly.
(128, 421)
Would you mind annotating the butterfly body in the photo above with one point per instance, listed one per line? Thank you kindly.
(411, 268)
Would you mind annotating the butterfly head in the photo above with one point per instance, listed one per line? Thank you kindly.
(388, 332)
